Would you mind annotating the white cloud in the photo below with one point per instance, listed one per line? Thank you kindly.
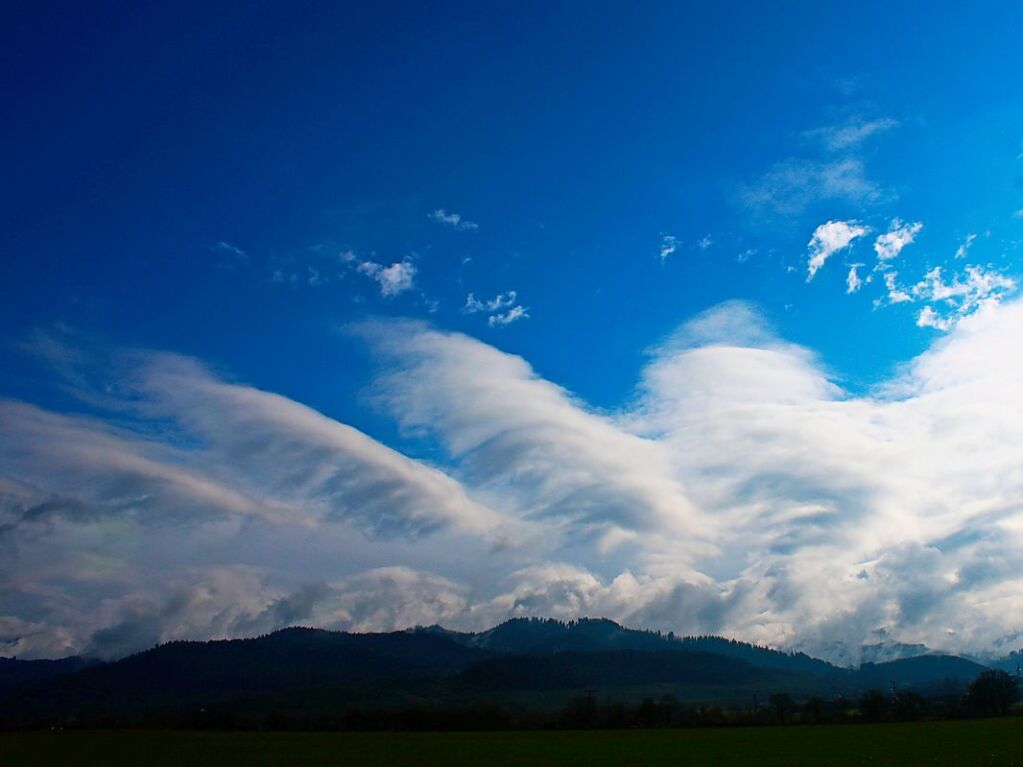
(928, 318)
(453, 220)
(110, 470)
(498, 302)
(524, 437)
(850, 135)
(669, 244)
(507, 318)
(896, 293)
(830, 238)
(853, 281)
(705, 242)
(964, 295)
(279, 460)
(964, 248)
(394, 279)
(502, 308)
(899, 235)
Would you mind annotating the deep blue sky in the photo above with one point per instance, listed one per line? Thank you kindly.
(136, 137)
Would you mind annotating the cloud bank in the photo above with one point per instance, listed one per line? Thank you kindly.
(741, 490)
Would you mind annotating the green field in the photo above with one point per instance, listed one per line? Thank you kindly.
(958, 744)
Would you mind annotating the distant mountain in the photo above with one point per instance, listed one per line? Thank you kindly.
(924, 671)
(15, 672)
(294, 657)
(883, 652)
(848, 655)
(1013, 662)
(528, 663)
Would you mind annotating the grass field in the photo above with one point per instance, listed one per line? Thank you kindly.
(936, 744)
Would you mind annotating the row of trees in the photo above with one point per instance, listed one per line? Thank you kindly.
(993, 693)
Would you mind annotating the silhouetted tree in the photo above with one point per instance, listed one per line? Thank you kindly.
(908, 705)
(873, 705)
(783, 704)
(813, 710)
(992, 693)
(646, 714)
(580, 713)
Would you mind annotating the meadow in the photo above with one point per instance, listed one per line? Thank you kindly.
(975, 743)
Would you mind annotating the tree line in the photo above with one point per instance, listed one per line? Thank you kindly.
(992, 693)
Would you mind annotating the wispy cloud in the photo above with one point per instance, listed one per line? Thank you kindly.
(830, 238)
(792, 186)
(500, 301)
(503, 308)
(227, 256)
(507, 318)
(227, 249)
(850, 135)
(453, 220)
(669, 244)
(964, 247)
(833, 171)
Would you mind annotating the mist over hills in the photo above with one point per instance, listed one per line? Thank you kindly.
(524, 664)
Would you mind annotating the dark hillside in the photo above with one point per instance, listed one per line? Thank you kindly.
(15, 672)
(607, 669)
(525, 663)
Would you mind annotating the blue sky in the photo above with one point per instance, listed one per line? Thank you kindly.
(272, 193)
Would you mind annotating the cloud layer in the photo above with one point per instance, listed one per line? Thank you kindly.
(741, 490)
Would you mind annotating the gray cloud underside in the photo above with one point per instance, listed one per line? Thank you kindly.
(741, 491)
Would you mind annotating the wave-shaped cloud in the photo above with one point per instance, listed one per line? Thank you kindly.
(741, 490)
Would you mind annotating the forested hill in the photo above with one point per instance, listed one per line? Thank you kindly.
(521, 663)
(532, 635)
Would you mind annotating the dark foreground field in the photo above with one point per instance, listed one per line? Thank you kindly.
(958, 744)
